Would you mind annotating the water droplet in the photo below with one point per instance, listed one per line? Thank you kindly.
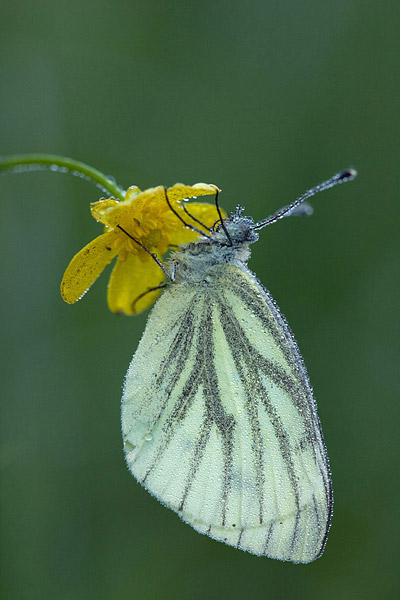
(148, 437)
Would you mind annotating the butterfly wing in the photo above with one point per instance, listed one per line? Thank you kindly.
(219, 420)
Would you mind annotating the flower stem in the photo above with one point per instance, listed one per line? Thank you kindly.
(19, 163)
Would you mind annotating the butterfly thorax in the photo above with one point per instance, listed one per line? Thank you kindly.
(196, 260)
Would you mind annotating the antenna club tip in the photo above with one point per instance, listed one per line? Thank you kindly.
(347, 175)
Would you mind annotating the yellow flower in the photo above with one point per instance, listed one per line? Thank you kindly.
(147, 217)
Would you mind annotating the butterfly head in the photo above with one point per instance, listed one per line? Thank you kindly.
(236, 229)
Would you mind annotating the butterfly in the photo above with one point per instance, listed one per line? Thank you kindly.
(219, 421)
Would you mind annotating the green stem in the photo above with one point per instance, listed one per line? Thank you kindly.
(26, 162)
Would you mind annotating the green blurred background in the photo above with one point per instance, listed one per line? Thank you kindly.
(264, 99)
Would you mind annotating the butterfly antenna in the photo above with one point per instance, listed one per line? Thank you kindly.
(188, 225)
(342, 177)
(228, 237)
(194, 218)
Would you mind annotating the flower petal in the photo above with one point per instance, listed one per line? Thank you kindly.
(205, 213)
(100, 209)
(129, 279)
(87, 265)
(179, 191)
(150, 203)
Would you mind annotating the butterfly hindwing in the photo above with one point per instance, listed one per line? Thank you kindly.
(219, 421)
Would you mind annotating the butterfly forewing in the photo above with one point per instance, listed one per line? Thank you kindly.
(219, 422)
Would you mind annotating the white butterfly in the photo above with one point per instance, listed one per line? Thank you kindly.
(218, 416)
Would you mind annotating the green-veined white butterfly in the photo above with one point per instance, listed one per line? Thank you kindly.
(218, 416)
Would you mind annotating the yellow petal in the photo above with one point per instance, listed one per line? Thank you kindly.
(179, 191)
(100, 209)
(149, 202)
(205, 213)
(131, 193)
(131, 278)
(87, 265)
